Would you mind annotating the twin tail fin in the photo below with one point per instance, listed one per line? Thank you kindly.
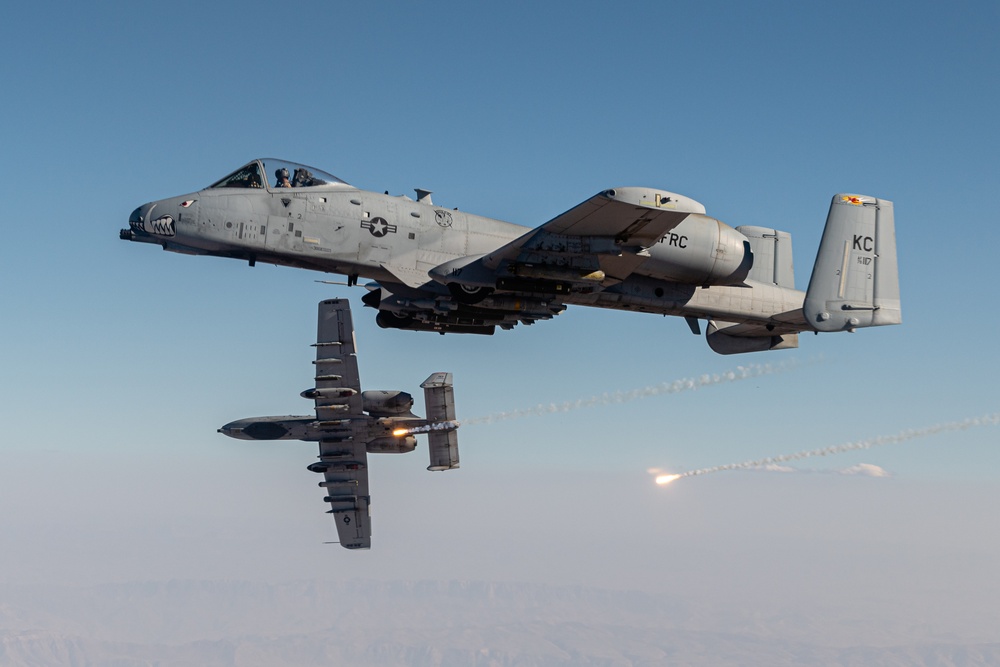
(855, 280)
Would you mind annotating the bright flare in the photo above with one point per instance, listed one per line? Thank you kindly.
(902, 436)
(449, 425)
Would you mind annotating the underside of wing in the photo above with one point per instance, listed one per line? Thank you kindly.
(338, 385)
(613, 222)
(345, 471)
(594, 244)
(589, 248)
(343, 458)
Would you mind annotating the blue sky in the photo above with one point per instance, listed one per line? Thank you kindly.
(121, 360)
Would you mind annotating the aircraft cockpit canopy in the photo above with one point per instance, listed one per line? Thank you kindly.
(275, 174)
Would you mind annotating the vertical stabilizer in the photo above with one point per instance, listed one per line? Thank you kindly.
(439, 399)
(855, 281)
(772, 256)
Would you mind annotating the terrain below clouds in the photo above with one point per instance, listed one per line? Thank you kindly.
(438, 624)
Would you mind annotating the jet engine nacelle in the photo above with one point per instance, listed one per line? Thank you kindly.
(328, 393)
(271, 428)
(392, 445)
(700, 251)
(381, 403)
(722, 342)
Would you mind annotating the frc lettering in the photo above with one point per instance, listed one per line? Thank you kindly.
(675, 240)
(865, 243)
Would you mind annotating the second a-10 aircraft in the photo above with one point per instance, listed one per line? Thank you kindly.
(627, 248)
(348, 424)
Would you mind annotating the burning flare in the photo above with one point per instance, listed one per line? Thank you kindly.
(663, 480)
(449, 425)
(902, 436)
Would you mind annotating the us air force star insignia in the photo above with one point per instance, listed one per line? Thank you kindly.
(378, 227)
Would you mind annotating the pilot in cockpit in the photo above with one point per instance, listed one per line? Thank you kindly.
(281, 176)
(304, 178)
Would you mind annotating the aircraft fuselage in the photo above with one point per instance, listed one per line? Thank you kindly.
(397, 240)
(630, 248)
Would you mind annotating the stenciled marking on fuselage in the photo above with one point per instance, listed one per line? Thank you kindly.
(676, 240)
(865, 243)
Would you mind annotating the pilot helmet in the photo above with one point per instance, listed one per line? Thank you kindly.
(281, 173)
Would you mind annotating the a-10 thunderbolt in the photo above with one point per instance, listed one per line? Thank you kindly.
(348, 424)
(627, 248)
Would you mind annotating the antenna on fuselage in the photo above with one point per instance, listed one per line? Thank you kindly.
(352, 281)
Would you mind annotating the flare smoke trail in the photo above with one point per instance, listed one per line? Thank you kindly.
(676, 387)
(902, 436)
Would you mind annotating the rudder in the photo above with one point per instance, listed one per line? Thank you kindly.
(855, 281)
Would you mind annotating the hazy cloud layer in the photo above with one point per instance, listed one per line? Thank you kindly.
(433, 624)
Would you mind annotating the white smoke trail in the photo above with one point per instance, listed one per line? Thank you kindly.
(676, 387)
(902, 436)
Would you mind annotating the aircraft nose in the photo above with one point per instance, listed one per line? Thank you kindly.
(232, 429)
(135, 218)
(137, 224)
(138, 218)
(147, 219)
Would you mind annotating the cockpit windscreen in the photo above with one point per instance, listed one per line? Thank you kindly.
(276, 174)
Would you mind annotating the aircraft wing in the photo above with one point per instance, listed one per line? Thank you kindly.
(343, 458)
(608, 232)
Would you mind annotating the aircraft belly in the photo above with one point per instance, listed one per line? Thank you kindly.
(755, 302)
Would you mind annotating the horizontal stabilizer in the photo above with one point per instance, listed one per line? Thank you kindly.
(439, 399)
(444, 450)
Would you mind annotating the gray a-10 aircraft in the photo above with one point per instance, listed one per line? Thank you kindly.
(349, 424)
(630, 248)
